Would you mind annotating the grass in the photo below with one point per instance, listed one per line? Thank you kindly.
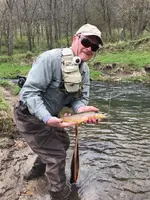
(8, 85)
(9, 70)
(3, 104)
(6, 122)
(133, 55)
(95, 75)
(137, 59)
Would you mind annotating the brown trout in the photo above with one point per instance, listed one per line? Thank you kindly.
(81, 117)
(78, 119)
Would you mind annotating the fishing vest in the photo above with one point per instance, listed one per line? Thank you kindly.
(70, 71)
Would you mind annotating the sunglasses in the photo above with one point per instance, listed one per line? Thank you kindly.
(87, 43)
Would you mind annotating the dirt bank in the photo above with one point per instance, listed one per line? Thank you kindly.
(116, 73)
(16, 159)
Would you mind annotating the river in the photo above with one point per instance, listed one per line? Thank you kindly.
(115, 156)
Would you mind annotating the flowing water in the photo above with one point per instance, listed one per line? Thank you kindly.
(115, 156)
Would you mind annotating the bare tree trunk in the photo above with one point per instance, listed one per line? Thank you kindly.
(10, 37)
(123, 33)
(55, 19)
(50, 25)
(10, 4)
(143, 17)
(29, 35)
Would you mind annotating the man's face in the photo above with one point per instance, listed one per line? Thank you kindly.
(85, 46)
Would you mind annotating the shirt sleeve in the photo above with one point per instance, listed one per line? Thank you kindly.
(83, 100)
(37, 81)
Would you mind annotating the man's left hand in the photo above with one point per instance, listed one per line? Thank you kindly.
(88, 109)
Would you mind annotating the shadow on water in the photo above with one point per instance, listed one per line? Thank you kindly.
(115, 156)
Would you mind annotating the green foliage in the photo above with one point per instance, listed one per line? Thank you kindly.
(8, 70)
(135, 59)
(3, 104)
(21, 43)
(23, 58)
(29, 55)
(140, 44)
(63, 42)
(6, 84)
(15, 90)
(6, 122)
(94, 75)
(5, 59)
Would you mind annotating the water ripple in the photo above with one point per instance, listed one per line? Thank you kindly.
(115, 155)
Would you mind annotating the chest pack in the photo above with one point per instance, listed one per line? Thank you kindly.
(70, 71)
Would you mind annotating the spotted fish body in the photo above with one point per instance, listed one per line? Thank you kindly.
(81, 117)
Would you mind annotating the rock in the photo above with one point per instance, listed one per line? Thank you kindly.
(139, 73)
(108, 67)
(97, 66)
(147, 68)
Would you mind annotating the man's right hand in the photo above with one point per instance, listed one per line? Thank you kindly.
(56, 122)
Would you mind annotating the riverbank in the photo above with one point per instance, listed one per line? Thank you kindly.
(122, 61)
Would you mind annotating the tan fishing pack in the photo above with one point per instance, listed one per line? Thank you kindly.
(70, 71)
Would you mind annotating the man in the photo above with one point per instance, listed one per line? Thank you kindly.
(58, 78)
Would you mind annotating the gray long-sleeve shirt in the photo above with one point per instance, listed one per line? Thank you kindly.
(41, 92)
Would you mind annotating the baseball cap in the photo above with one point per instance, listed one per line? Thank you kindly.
(88, 29)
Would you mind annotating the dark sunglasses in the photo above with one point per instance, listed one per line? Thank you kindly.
(86, 43)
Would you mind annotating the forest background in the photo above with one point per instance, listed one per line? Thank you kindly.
(35, 25)
(29, 27)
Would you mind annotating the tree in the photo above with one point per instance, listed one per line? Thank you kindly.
(9, 17)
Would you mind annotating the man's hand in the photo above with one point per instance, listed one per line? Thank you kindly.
(56, 122)
(88, 109)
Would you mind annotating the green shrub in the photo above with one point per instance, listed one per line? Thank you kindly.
(5, 59)
(13, 70)
(3, 105)
(16, 89)
(21, 43)
(5, 83)
(6, 121)
(28, 55)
